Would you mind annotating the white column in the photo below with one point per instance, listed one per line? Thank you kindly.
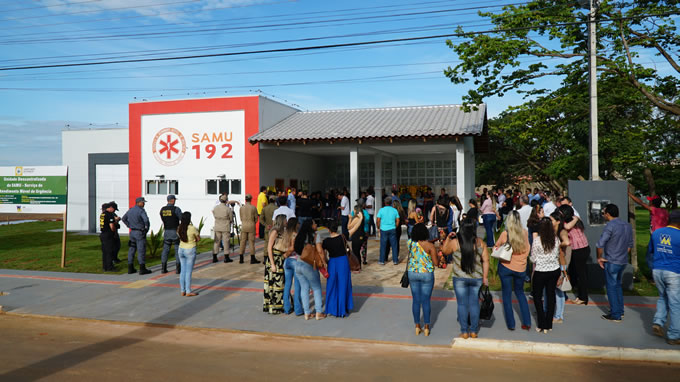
(394, 171)
(353, 174)
(378, 185)
(470, 165)
(461, 174)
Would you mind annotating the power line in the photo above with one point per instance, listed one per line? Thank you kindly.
(327, 46)
(230, 27)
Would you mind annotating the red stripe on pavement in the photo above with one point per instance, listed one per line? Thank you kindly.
(84, 281)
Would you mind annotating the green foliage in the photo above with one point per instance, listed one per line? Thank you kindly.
(200, 225)
(629, 32)
(154, 242)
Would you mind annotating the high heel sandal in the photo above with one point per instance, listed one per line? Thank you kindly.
(473, 335)
(320, 316)
(306, 317)
(426, 330)
(418, 330)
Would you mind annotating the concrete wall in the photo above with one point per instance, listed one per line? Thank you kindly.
(76, 145)
(272, 112)
(291, 165)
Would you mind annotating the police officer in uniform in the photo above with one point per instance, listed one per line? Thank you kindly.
(116, 237)
(170, 214)
(248, 214)
(222, 229)
(138, 222)
(107, 226)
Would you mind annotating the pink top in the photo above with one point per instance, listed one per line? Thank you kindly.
(659, 218)
(487, 207)
(577, 239)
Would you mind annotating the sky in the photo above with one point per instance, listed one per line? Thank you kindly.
(37, 104)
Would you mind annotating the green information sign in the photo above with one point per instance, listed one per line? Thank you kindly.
(33, 189)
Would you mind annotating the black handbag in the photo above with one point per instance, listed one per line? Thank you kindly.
(404, 278)
(486, 306)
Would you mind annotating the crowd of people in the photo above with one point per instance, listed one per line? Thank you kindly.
(322, 234)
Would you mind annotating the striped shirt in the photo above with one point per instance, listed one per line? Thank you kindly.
(577, 238)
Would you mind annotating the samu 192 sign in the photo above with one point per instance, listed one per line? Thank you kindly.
(40, 190)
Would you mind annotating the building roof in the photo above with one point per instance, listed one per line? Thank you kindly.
(381, 123)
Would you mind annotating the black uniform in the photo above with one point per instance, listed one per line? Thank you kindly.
(107, 238)
(116, 242)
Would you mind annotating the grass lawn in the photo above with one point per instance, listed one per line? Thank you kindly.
(29, 246)
(643, 286)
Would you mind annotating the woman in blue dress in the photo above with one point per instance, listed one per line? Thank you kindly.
(339, 285)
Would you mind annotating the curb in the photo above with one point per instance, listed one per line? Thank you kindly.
(568, 350)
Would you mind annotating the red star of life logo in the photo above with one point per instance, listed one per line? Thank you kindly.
(168, 146)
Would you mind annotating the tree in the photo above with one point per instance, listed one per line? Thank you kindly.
(628, 31)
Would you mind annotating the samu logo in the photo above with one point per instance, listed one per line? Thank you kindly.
(666, 239)
(169, 146)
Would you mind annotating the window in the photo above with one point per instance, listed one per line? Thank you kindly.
(222, 186)
(162, 187)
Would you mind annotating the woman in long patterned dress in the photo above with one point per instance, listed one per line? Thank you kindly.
(273, 267)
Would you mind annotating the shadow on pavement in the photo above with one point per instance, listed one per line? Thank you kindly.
(57, 363)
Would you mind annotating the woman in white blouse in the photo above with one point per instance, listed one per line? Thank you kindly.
(547, 259)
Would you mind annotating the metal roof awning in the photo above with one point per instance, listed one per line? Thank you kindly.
(380, 124)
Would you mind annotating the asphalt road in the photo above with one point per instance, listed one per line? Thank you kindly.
(82, 350)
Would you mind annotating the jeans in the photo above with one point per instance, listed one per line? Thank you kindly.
(421, 290)
(187, 257)
(344, 219)
(371, 225)
(544, 281)
(467, 298)
(489, 221)
(170, 238)
(302, 219)
(668, 284)
(308, 277)
(511, 280)
(613, 274)
(560, 299)
(289, 273)
(389, 237)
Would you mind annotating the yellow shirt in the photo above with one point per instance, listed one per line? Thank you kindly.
(192, 232)
(261, 202)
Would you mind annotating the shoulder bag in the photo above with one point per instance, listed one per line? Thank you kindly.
(404, 278)
(504, 252)
(563, 283)
(354, 264)
(311, 256)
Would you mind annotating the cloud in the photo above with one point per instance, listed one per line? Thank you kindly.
(31, 143)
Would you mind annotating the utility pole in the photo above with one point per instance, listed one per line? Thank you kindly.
(594, 157)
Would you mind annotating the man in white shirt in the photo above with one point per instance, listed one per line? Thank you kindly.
(567, 201)
(524, 210)
(283, 209)
(370, 208)
(549, 207)
(344, 214)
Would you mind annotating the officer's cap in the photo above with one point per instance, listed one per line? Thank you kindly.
(171, 197)
(140, 199)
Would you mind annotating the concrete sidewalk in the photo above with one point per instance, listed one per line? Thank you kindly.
(380, 313)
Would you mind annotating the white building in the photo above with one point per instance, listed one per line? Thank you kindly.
(197, 149)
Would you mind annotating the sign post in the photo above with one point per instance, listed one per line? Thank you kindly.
(35, 193)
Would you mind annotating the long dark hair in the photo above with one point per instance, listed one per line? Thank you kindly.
(533, 220)
(568, 214)
(305, 236)
(559, 216)
(183, 225)
(467, 239)
(546, 233)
